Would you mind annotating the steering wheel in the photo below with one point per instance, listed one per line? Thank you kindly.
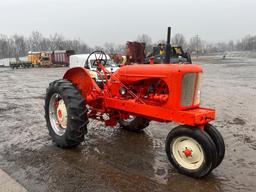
(99, 58)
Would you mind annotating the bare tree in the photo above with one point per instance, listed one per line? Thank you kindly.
(34, 41)
(4, 46)
(56, 42)
(179, 40)
(97, 47)
(196, 44)
(144, 38)
(162, 41)
(230, 45)
(20, 45)
(109, 48)
(84, 48)
(120, 49)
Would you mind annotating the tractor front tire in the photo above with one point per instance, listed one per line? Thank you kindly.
(136, 124)
(191, 151)
(218, 141)
(65, 114)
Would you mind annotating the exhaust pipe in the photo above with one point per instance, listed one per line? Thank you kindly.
(168, 46)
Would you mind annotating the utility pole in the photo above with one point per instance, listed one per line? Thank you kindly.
(8, 44)
(197, 42)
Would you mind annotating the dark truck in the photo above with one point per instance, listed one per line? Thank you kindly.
(177, 55)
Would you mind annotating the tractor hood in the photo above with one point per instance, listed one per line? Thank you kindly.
(110, 69)
(137, 72)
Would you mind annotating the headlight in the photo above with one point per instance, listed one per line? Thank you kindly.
(198, 90)
(122, 91)
(197, 97)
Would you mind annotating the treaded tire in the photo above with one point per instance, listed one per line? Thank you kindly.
(76, 114)
(205, 142)
(136, 125)
(218, 141)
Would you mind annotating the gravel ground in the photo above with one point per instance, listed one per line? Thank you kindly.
(111, 159)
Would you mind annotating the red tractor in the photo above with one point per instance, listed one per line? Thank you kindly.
(133, 96)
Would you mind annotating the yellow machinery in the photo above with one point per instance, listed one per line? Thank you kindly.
(45, 60)
(39, 59)
(34, 57)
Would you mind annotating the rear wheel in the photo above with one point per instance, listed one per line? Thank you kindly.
(134, 123)
(65, 113)
(218, 141)
(191, 151)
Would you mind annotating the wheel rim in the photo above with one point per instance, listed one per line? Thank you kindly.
(187, 152)
(58, 114)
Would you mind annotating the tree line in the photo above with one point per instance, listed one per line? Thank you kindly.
(19, 46)
(197, 45)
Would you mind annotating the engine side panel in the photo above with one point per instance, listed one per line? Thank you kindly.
(132, 73)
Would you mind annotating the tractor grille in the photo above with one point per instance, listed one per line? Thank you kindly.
(190, 89)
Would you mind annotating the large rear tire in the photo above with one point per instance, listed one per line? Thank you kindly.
(134, 124)
(65, 114)
(191, 151)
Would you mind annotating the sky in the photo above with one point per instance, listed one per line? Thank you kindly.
(99, 21)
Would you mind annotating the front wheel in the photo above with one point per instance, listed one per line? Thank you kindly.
(65, 114)
(191, 151)
(218, 141)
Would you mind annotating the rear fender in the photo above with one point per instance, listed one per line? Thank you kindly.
(81, 78)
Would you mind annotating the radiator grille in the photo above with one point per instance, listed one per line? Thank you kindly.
(188, 88)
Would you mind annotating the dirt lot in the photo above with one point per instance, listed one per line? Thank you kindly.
(111, 159)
